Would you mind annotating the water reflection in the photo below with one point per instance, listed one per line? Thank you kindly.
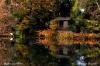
(70, 45)
(53, 50)
(50, 47)
(6, 51)
(80, 61)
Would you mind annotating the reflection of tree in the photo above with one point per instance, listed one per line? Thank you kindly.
(39, 12)
(6, 52)
(91, 53)
(37, 55)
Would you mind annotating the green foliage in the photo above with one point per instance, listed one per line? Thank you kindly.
(35, 13)
(90, 18)
(22, 49)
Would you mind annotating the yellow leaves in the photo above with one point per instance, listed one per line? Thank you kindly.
(22, 49)
(23, 24)
(53, 24)
(53, 49)
(21, 0)
(48, 4)
(75, 7)
(21, 27)
(93, 52)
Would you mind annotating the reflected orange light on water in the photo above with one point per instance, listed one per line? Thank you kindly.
(46, 37)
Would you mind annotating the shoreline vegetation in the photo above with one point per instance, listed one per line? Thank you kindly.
(27, 18)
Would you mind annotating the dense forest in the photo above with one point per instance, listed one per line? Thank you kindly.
(32, 15)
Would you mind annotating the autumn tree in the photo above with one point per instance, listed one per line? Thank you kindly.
(40, 11)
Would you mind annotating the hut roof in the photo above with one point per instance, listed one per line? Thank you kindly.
(63, 18)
